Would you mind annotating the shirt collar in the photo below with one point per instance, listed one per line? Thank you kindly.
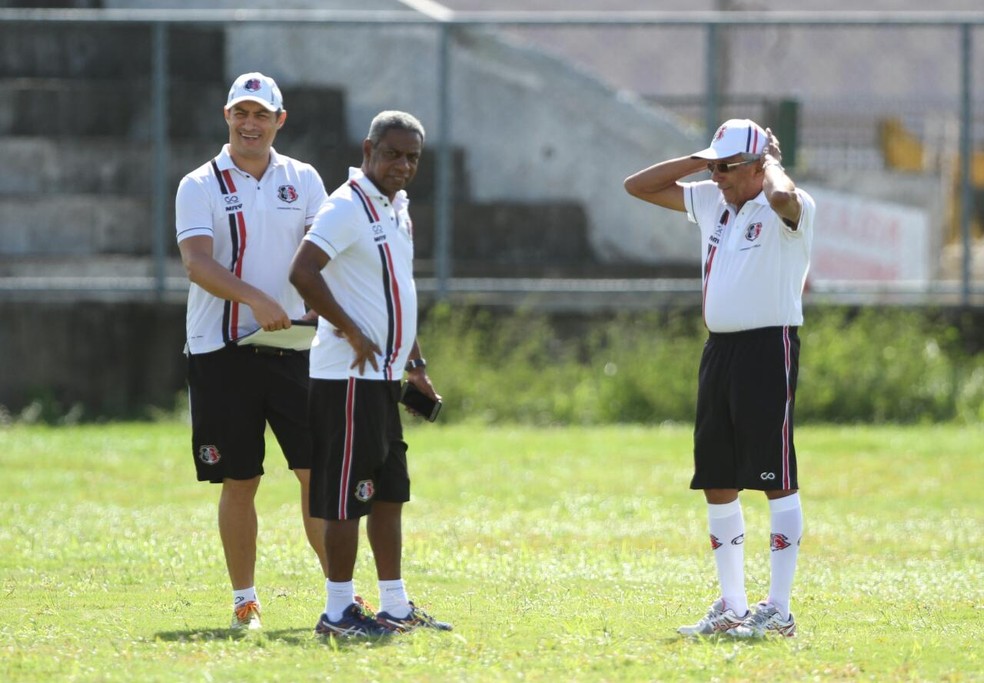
(757, 199)
(400, 201)
(225, 163)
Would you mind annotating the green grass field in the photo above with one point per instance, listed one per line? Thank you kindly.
(559, 554)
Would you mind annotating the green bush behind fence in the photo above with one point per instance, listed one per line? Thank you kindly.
(871, 365)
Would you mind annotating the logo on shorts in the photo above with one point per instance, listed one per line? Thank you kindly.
(753, 231)
(767, 476)
(779, 542)
(209, 455)
(715, 543)
(287, 193)
(364, 490)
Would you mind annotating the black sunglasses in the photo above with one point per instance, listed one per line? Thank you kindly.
(721, 167)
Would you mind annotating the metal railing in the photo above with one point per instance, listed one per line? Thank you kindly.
(445, 23)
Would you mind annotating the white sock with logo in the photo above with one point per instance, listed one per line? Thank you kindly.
(241, 597)
(393, 598)
(727, 527)
(787, 529)
(341, 594)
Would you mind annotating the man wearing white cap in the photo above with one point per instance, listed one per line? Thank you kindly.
(756, 230)
(240, 217)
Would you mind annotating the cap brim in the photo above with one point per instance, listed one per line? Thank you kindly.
(712, 154)
(247, 98)
(708, 153)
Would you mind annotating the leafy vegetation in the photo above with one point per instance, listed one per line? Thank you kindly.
(856, 366)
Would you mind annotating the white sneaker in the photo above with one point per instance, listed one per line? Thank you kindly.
(764, 621)
(246, 617)
(717, 620)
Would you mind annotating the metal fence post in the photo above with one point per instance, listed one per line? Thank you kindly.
(966, 152)
(442, 198)
(159, 135)
(711, 106)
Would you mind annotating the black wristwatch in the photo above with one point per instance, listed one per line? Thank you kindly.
(415, 363)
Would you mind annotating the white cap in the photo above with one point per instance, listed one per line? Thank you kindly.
(735, 136)
(256, 87)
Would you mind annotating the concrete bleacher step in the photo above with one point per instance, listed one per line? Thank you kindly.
(488, 240)
(96, 165)
(74, 224)
(73, 108)
(37, 165)
(104, 165)
(507, 239)
(106, 51)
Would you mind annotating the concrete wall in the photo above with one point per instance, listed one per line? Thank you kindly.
(532, 128)
(115, 359)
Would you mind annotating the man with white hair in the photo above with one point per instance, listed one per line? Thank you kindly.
(756, 231)
(355, 268)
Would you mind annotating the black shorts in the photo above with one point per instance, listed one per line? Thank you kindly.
(743, 437)
(234, 392)
(359, 452)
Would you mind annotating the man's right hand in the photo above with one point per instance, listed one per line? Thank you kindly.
(268, 313)
(365, 349)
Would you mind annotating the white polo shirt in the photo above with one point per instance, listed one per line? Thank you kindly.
(754, 266)
(370, 243)
(255, 226)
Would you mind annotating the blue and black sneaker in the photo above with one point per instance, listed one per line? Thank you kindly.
(417, 618)
(356, 622)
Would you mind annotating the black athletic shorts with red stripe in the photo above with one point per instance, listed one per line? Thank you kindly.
(359, 452)
(743, 437)
(234, 392)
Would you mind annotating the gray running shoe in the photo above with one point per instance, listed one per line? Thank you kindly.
(764, 621)
(717, 620)
(417, 618)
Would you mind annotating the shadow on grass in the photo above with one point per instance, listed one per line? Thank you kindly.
(292, 636)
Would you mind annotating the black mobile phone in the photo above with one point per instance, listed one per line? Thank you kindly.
(414, 398)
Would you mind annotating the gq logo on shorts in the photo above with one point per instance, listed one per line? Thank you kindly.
(364, 490)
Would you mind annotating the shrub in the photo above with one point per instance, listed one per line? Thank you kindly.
(856, 365)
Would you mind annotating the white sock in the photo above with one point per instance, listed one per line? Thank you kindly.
(727, 527)
(393, 598)
(240, 598)
(341, 594)
(787, 530)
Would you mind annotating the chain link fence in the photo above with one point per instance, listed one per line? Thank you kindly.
(872, 106)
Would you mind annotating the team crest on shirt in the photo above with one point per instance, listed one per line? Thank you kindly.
(209, 455)
(753, 231)
(365, 490)
(287, 193)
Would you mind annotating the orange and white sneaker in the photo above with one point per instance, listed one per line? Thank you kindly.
(246, 617)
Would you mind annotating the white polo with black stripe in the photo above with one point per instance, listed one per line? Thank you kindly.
(255, 226)
(754, 266)
(369, 241)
